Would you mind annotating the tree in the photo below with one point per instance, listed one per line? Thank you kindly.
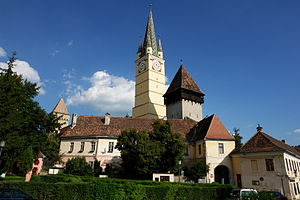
(197, 170)
(238, 138)
(23, 123)
(79, 166)
(170, 144)
(145, 153)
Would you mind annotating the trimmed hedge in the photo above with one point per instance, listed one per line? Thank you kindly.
(62, 187)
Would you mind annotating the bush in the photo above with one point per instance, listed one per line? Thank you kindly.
(79, 166)
(60, 187)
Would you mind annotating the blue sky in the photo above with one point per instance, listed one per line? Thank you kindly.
(244, 55)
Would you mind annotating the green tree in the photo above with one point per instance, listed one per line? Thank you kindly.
(145, 153)
(170, 145)
(238, 138)
(198, 170)
(79, 166)
(23, 123)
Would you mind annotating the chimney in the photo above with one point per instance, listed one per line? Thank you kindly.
(259, 128)
(107, 119)
(74, 120)
(283, 141)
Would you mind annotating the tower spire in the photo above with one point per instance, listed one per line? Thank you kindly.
(150, 38)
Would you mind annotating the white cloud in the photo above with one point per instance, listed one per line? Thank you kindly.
(2, 52)
(296, 130)
(107, 93)
(29, 73)
(55, 52)
(70, 43)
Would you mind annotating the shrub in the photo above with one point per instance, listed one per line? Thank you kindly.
(79, 166)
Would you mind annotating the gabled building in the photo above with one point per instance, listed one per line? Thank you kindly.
(266, 163)
(210, 141)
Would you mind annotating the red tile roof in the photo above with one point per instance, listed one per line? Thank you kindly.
(183, 80)
(262, 142)
(210, 128)
(94, 126)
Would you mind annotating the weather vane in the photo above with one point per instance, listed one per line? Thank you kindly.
(181, 61)
(150, 6)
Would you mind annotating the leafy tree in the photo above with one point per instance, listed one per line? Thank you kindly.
(79, 166)
(198, 170)
(238, 138)
(170, 144)
(145, 153)
(23, 123)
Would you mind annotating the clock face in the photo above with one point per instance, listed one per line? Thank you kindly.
(142, 66)
(156, 66)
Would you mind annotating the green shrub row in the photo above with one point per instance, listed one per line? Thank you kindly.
(115, 191)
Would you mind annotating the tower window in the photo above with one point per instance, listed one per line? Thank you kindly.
(199, 149)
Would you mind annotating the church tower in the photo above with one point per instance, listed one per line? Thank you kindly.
(60, 110)
(150, 84)
(183, 97)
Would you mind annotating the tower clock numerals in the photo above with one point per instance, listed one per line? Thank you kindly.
(142, 66)
(156, 66)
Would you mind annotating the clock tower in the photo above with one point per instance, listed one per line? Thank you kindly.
(150, 82)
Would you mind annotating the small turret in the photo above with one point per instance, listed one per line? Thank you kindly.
(159, 49)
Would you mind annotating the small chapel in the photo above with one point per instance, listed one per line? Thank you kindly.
(95, 137)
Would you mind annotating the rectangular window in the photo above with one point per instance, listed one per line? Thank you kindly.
(110, 147)
(269, 165)
(199, 149)
(287, 165)
(93, 147)
(186, 150)
(254, 165)
(71, 147)
(81, 147)
(221, 148)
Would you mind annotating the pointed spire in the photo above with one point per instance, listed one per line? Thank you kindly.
(150, 39)
(159, 46)
(140, 48)
(60, 107)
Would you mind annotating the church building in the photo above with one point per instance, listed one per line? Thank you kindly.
(95, 137)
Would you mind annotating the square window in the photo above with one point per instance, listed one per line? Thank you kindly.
(269, 165)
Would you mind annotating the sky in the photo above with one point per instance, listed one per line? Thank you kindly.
(244, 55)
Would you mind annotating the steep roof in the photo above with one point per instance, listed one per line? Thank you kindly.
(61, 107)
(183, 80)
(262, 142)
(94, 126)
(150, 39)
(210, 128)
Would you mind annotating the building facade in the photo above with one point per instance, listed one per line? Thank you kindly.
(268, 164)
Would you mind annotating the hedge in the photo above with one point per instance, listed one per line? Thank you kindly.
(64, 187)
